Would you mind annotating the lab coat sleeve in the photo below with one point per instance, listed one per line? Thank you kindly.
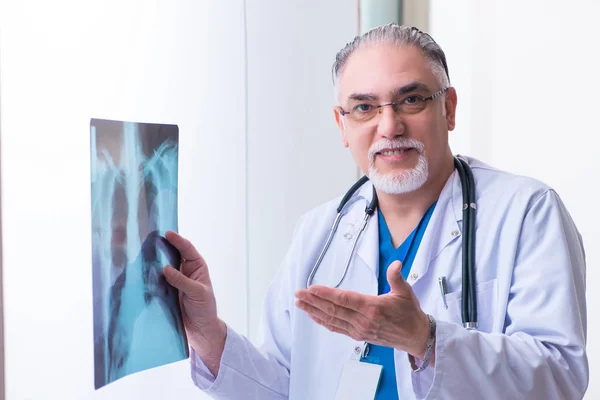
(244, 372)
(541, 352)
(256, 372)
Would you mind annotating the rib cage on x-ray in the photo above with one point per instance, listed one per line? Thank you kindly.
(137, 322)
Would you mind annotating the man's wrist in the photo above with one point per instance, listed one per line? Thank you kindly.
(209, 345)
(210, 342)
(421, 337)
(428, 354)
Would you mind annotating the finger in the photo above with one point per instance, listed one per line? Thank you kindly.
(192, 268)
(185, 247)
(328, 319)
(330, 309)
(180, 281)
(344, 298)
(394, 276)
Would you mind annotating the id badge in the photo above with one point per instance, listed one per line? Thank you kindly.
(359, 380)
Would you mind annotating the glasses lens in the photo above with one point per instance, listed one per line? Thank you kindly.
(363, 113)
(412, 105)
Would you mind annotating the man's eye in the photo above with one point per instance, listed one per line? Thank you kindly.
(413, 100)
(362, 108)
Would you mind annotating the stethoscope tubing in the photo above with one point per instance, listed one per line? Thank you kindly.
(469, 301)
(369, 210)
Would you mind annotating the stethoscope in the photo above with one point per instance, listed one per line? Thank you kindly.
(469, 301)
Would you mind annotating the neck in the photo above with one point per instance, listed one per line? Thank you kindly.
(403, 211)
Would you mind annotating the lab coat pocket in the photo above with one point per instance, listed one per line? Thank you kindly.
(486, 303)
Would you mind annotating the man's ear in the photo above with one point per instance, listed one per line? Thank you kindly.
(340, 123)
(450, 104)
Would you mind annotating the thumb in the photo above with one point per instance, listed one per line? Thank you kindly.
(394, 277)
(178, 280)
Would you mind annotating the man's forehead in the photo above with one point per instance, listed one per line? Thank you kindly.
(392, 92)
(384, 69)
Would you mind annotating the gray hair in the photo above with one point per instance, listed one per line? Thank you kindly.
(398, 35)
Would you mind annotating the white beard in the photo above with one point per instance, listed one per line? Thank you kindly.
(402, 181)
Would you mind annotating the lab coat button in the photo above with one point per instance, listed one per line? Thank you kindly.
(414, 276)
(348, 236)
(455, 233)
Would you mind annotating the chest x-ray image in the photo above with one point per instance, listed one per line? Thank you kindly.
(137, 319)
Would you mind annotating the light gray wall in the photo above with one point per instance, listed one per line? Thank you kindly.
(374, 13)
(295, 155)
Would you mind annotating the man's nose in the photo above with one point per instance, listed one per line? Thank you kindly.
(390, 123)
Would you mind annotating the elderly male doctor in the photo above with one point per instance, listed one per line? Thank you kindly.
(396, 107)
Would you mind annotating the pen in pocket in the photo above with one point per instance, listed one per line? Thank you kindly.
(444, 290)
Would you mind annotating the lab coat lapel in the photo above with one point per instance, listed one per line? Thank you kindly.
(442, 230)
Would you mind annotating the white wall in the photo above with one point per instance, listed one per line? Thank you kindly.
(527, 79)
(248, 83)
(64, 62)
(296, 160)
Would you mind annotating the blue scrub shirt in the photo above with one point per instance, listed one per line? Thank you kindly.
(406, 253)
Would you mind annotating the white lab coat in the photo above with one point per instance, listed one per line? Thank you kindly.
(530, 268)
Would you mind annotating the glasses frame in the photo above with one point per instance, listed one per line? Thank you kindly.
(379, 108)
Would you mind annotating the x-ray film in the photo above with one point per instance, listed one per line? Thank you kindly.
(137, 319)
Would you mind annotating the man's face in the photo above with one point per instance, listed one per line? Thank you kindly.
(395, 144)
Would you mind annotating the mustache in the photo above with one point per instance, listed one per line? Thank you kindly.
(392, 144)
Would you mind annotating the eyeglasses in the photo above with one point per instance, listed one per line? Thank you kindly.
(411, 104)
